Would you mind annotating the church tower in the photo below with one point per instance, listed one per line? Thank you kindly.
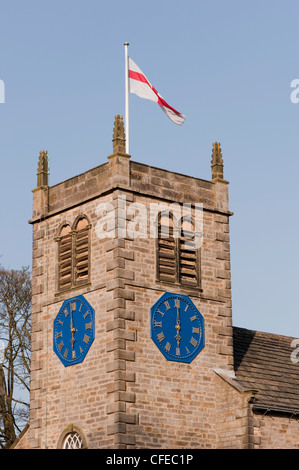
(131, 307)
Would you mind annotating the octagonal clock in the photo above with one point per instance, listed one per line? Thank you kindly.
(73, 330)
(177, 327)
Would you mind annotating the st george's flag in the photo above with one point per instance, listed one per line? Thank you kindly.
(140, 86)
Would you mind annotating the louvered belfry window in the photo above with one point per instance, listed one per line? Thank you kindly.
(166, 250)
(188, 272)
(177, 256)
(73, 255)
(82, 252)
(65, 267)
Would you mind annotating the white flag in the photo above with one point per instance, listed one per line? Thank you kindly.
(140, 86)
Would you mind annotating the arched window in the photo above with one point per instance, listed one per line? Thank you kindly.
(177, 253)
(65, 267)
(166, 252)
(73, 440)
(82, 251)
(188, 254)
(74, 254)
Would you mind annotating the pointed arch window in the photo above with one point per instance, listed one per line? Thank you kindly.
(81, 254)
(178, 258)
(74, 254)
(72, 438)
(167, 250)
(188, 254)
(65, 258)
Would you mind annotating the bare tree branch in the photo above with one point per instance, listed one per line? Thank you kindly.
(15, 329)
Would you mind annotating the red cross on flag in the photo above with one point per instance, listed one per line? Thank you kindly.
(140, 86)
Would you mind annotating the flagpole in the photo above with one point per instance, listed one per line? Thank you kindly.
(127, 128)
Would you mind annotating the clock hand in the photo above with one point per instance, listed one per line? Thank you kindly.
(178, 327)
(72, 330)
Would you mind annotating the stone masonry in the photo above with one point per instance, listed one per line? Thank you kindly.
(125, 394)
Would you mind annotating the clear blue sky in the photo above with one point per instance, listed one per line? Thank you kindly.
(227, 65)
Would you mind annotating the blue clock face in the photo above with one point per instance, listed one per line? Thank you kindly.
(73, 330)
(177, 327)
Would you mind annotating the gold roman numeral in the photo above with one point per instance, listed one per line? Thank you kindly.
(166, 303)
(167, 346)
(158, 324)
(193, 341)
(60, 345)
(59, 334)
(193, 318)
(86, 339)
(73, 306)
(195, 330)
(162, 313)
(178, 351)
(160, 336)
(177, 303)
(87, 326)
(65, 353)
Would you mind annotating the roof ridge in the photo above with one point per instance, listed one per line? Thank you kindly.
(264, 333)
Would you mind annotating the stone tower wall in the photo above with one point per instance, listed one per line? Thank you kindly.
(125, 393)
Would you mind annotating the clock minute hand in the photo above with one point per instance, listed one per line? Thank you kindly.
(178, 327)
(72, 329)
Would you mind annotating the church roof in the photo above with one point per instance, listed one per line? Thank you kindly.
(265, 362)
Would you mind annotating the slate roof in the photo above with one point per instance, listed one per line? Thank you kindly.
(262, 362)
